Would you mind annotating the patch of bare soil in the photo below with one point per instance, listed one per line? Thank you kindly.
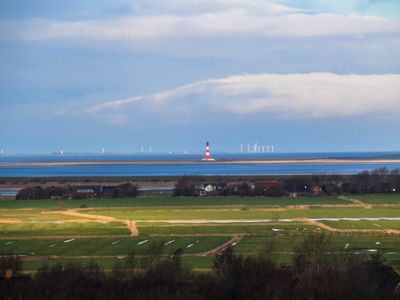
(9, 221)
(99, 218)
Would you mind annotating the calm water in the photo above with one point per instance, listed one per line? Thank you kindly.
(189, 169)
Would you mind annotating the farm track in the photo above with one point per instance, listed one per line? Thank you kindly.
(332, 229)
(99, 218)
(355, 201)
(13, 221)
(318, 224)
(221, 248)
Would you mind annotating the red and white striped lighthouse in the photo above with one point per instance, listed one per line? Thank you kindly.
(208, 155)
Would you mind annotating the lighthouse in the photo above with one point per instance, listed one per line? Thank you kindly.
(208, 155)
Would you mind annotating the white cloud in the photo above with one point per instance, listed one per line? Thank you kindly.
(303, 96)
(224, 18)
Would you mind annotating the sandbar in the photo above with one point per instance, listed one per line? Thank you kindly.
(198, 162)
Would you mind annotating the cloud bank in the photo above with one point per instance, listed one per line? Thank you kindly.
(301, 96)
(236, 22)
(197, 19)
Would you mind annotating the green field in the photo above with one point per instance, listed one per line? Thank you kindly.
(158, 200)
(362, 224)
(33, 215)
(379, 198)
(109, 246)
(388, 246)
(62, 229)
(42, 233)
(228, 229)
(254, 212)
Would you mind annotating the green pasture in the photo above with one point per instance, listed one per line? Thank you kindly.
(44, 236)
(289, 244)
(226, 229)
(32, 215)
(52, 229)
(159, 200)
(107, 254)
(363, 224)
(246, 214)
(192, 262)
(379, 198)
(109, 246)
(285, 247)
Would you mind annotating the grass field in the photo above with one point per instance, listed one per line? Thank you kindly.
(379, 198)
(52, 232)
(388, 247)
(362, 224)
(33, 215)
(151, 201)
(109, 246)
(254, 212)
(228, 229)
(62, 229)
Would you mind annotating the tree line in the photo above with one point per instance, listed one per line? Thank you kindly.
(318, 271)
(381, 180)
(77, 192)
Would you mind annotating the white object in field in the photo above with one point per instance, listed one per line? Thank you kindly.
(67, 241)
(169, 242)
(142, 242)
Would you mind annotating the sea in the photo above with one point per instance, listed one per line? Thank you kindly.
(191, 169)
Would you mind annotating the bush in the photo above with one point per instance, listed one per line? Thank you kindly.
(125, 190)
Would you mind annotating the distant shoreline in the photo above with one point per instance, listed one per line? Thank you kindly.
(200, 162)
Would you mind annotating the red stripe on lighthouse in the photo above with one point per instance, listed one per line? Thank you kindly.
(208, 155)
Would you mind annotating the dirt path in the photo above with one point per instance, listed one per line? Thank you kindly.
(74, 213)
(355, 201)
(10, 221)
(70, 212)
(332, 229)
(316, 223)
(132, 227)
(221, 248)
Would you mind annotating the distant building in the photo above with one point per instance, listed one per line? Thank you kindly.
(316, 190)
(209, 188)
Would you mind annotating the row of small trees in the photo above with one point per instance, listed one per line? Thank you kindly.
(318, 271)
(72, 192)
(379, 180)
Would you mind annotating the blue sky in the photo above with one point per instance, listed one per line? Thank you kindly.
(301, 75)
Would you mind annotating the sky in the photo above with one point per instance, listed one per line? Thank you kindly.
(302, 75)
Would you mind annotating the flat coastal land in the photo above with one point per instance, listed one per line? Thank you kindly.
(191, 162)
(107, 230)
